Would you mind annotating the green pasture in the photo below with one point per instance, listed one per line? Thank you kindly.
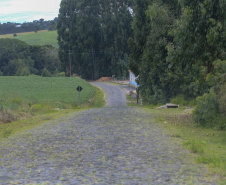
(16, 121)
(32, 90)
(44, 37)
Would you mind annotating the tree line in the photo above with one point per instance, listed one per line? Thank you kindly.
(95, 33)
(176, 47)
(20, 59)
(13, 28)
(178, 50)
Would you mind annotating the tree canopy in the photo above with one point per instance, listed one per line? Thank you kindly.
(95, 33)
(20, 59)
(174, 46)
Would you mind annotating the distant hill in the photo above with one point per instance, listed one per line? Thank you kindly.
(36, 25)
(43, 37)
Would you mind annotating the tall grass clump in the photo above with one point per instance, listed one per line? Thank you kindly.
(195, 146)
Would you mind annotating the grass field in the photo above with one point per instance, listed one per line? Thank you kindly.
(26, 102)
(35, 90)
(29, 119)
(43, 37)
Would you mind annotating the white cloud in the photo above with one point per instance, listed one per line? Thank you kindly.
(46, 7)
(15, 6)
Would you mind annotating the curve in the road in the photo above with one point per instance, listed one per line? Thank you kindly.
(116, 96)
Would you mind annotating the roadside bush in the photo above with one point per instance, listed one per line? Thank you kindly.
(7, 116)
(206, 112)
(206, 109)
(211, 108)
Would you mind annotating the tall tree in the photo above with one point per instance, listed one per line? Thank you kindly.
(154, 85)
(95, 32)
(174, 46)
(199, 40)
(141, 30)
(152, 22)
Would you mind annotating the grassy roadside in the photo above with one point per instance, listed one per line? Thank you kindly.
(16, 127)
(208, 145)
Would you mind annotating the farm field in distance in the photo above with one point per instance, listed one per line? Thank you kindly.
(43, 37)
(36, 90)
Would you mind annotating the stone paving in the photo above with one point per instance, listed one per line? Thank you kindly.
(111, 145)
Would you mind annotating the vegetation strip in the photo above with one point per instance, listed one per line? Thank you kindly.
(29, 114)
(208, 145)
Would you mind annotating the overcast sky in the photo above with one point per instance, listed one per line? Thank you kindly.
(28, 10)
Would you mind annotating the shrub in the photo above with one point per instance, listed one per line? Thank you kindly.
(206, 109)
(206, 112)
(46, 73)
(6, 116)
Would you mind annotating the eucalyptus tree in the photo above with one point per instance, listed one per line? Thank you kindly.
(151, 25)
(141, 30)
(199, 40)
(174, 46)
(154, 84)
(95, 32)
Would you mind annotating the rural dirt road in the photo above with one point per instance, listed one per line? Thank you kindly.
(111, 145)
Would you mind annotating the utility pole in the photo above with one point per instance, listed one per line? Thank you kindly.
(70, 61)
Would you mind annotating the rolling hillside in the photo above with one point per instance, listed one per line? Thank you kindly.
(43, 37)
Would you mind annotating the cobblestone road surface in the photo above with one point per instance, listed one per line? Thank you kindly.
(115, 96)
(111, 145)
